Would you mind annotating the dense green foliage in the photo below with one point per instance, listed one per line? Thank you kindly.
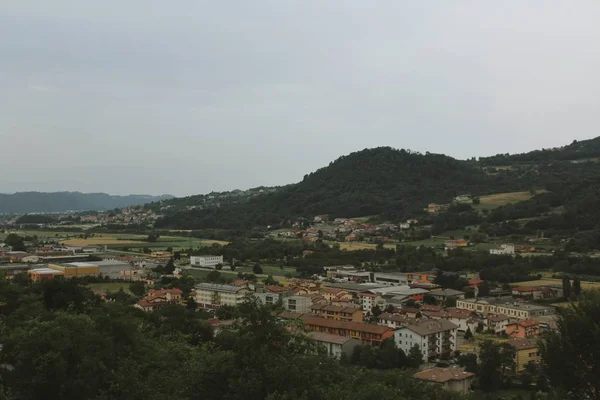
(577, 150)
(34, 219)
(24, 202)
(59, 341)
(381, 181)
(571, 354)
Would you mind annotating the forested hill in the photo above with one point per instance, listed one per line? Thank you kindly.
(381, 181)
(577, 150)
(37, 202)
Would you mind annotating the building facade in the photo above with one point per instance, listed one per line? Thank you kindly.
(212, 295)
(507, 306)
(434, 338)
(335, 345)
(206, 261)
(454, 379)
(338, 313)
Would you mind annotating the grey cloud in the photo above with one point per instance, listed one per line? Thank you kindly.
(191, 96)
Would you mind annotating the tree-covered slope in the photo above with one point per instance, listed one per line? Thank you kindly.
(37, 202)
(577, 150)
(381, 181)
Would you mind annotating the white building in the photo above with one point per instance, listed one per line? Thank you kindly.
(335, 345)
(206, 261)
(212, 295)
(496, 323)
(502, 305)
(505, 249)
(299, 304)
(435, 337)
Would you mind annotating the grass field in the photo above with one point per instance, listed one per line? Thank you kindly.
(499, 199)
(119, 240)
(97, 241)
(108, 287)
(552, 281)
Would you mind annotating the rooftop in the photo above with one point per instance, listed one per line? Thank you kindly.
(355, 326)
(46, 271)
(428, 327)
(522, 344)
(341, 309)
(328, 338)
(446, 292)
(442, 375)
(215, 287)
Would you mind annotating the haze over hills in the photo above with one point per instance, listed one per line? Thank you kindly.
(391, 184)
(38, 202)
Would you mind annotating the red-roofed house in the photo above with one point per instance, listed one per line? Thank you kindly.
(523, 329)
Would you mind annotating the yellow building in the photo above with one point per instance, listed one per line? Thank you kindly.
(76, 269)
(338, 313)
(40, 274)
(526, 351)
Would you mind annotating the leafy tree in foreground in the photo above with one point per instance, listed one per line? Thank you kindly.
(566, 287)
(571, 354)
(576, 287)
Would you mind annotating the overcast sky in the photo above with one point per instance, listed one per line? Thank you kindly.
(191, 96)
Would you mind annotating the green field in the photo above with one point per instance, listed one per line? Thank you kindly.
(118, 240)
(500, 199)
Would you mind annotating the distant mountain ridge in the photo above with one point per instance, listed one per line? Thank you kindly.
(42, 202)
(577, 150)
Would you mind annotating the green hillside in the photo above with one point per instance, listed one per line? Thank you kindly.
(382, 181)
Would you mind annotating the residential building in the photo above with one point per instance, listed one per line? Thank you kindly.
(394, 320)
(523, 329)
(366, 333)
(435, 208)
(528, 292)
(335, 294)
(39, 274)
(300, 304)
(206, 261)
(161, 254)
(445, 294)
(504, 305)
(526, 351)
(157, 298)
(505, 249)
(464, 319)
(296, 303)
(368, 300)
(455, 243)
(433, 337)
(454, 379)
(335, 345)
(212, 295)
(496, 323)
(338, 313)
